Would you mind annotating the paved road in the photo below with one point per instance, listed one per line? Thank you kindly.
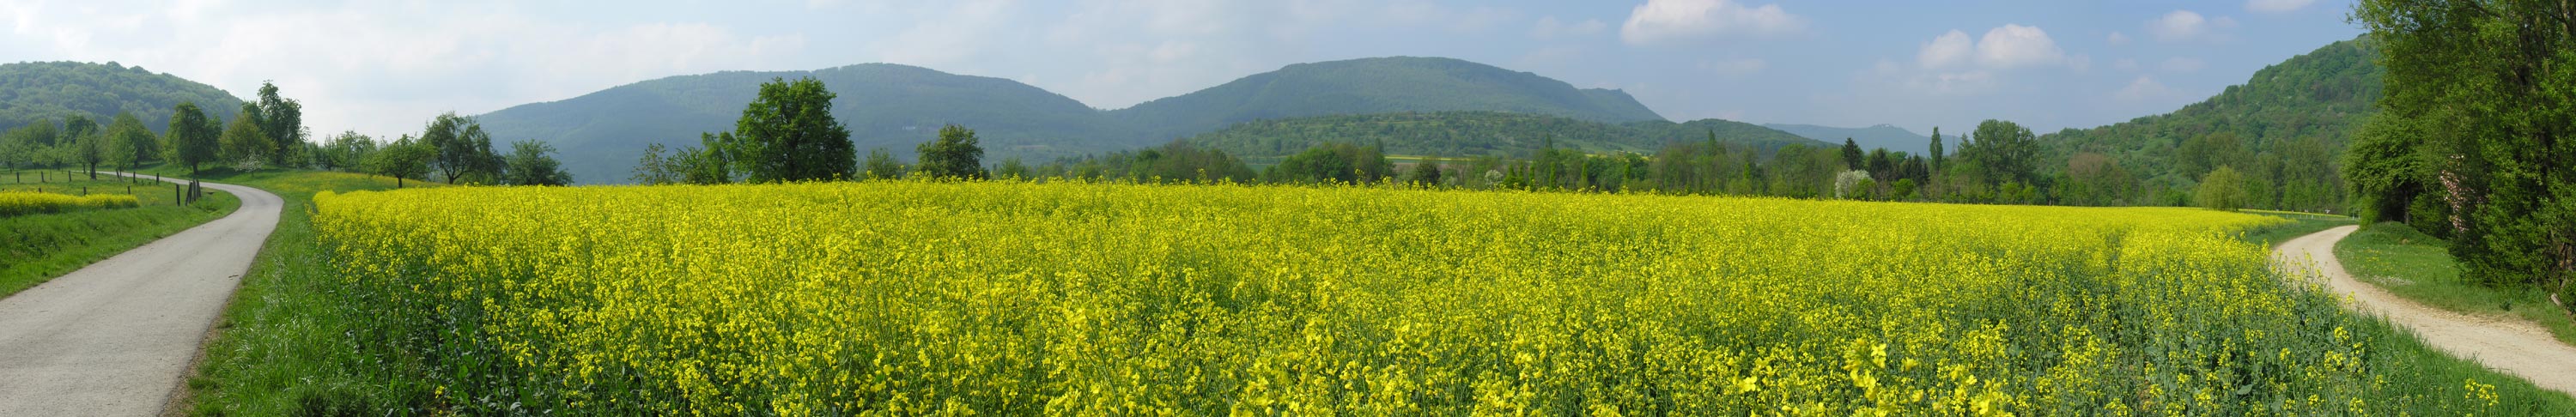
(113, 338)
(2506, 344)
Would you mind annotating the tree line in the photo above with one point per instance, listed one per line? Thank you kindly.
(270, 132)
(2474, 141)
(788, 134)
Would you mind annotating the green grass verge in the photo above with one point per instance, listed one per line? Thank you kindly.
(39, 247)
(278, 349)
(2419, 267)
(2301, 224)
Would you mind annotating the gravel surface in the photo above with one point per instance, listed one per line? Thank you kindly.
(2503, 343)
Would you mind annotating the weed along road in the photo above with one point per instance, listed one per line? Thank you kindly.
(2508, 345)
(113, 338)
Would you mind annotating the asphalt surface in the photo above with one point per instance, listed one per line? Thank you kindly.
(113, 338)
(2506, 344)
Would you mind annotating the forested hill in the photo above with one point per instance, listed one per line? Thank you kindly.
(2282, 127)
(1889, 137)
(54, 91)
(1379, 85)
(1462, 134)
(884, 105)
(896, 107)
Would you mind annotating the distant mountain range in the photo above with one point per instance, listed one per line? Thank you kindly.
(895, 107)
(54, 91)
(1889, 137)
(1477, 133)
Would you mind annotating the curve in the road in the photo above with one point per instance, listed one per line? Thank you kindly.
(2507, 345)
(112, 338)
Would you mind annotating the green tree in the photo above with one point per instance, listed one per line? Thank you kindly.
(90, 149)
(1936, 149)
(1427, 172)
(242, 140)
(2491, 85)
(706, 164)
(78, 126)
(404, 158)
(882, 166)
(282, 120)
(2007, 152)
(129, 143)
(956, 155)
(460, 147)
(1011, 168)
(1852, 155)
(531, 163)
(788, 133)
(345, 151)
(654, 169)
(2222, 189)
(192, 137)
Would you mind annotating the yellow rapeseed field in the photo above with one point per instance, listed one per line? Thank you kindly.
(1020, 298)
(14, 203)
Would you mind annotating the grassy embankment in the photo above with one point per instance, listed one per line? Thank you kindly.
(35, 248)
(2419, 267)
(265, 346)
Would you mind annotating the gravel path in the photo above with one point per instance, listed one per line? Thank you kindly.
(113, 338)
(2509, 345)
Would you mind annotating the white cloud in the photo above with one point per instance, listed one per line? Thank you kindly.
(2015, 46)
(1668, 20)
(1948, 50)
(2185, 25)
(2118, 38)
(2143, 89)
(1735, 67)
(2007, 47)
(1550, 28)
(2276, 6)
(2182, 64)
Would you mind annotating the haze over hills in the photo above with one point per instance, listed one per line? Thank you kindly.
(1889, 137)
(1462, 134)
(1379, 85)
(895, 107)
(32, 91)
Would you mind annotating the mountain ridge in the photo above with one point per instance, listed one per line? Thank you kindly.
(895, 106)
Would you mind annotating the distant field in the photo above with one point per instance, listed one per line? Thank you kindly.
(35, 248)
(1019, 298)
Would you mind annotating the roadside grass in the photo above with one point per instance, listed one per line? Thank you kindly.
(2301, 224)
(39, 247)
(2419, 267)
(281, 347)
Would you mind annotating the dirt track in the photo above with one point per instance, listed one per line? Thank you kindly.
(2508, 345)
(113, 338)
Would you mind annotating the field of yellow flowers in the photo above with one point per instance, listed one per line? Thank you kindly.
(1073, 298)
(14, 203)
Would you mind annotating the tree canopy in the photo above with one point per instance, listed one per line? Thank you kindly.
(788, 133)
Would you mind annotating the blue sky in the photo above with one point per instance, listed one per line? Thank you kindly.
(383, 68)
